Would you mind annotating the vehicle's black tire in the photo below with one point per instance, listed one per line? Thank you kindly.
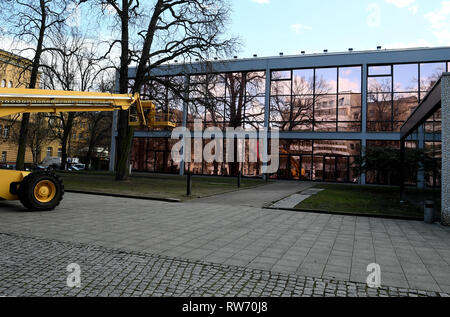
(52, 194)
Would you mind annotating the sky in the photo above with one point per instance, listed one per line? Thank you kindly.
(268, 27)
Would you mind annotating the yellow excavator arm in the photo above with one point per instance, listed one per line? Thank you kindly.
(44, 190)
(18, 100)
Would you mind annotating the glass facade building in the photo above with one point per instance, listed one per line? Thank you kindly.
(329, 108)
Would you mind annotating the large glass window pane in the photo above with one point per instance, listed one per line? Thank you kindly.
(337, 147)
(280, 88)
(353, 126)
(256, 84)
(349, 107)
(342, 169)
(404, 105)
(279, 110)
(429, 74)
(330, 168)
(433, 168)
(379, 112)
(326, 81)
(216, 86)
(303, 82)
(254, 112)
(325, 113)
(306, 167)
(301, 113)
(406, 78)
(384, 70)
(349, 80)
(296, 169)
(281, 74)
(379, 84)
(215, 111)
(295, 146)
(196, 110)
(283, 171)
(317, 172)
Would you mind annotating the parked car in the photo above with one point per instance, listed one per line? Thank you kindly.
(51, 161)
(77, 167)
(6, 166)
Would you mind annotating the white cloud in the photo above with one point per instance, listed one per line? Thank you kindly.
(374, 17)
(401, 3)
(298, 28)
(413, 9)
(261, 1)
(410, 4)
(440, 22)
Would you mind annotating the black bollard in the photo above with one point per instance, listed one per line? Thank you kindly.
(189, 184)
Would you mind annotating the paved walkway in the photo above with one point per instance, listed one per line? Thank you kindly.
(412, 254)
(38, 267)
(257, 197)
(293, 200)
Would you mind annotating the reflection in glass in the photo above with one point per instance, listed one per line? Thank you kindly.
(350, 79)
(317, 172)
(256, 84)
(280, 75)
(379, 112)
(404, 105)
(330, 168)
(335, 156)
(280, 88)
(153, 155)
(342, 169)
(303, 83)
(406, 78)
(433, 172)
(325, 108)
(379, 84)
(349, 107)
(326, 81)
(292, 115)
(380, 70)
(430, 74)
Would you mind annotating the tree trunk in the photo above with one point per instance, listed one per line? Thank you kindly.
(20, 161)
(125, 133)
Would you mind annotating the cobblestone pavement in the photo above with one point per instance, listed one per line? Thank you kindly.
(411, 254)
(38, 267)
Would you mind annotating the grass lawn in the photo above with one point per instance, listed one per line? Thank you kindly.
(369, 200)
(153, 186)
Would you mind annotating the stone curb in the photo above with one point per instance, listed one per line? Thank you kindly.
(169, 200)
(317, 211)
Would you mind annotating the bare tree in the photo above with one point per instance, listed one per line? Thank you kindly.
(173, 29)
(74, 66)
(32, 22)
(38, 134)
(99, 123)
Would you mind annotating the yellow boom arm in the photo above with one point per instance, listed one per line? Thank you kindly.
(18, 100)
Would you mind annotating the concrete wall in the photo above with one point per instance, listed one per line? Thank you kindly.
(445, 84)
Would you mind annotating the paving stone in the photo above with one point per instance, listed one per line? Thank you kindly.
(37, 267)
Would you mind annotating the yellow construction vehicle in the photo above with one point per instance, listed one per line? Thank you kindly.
(44, 190)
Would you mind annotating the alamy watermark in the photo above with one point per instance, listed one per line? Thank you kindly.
(236, 150)
(74, 277)
(374, 278)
